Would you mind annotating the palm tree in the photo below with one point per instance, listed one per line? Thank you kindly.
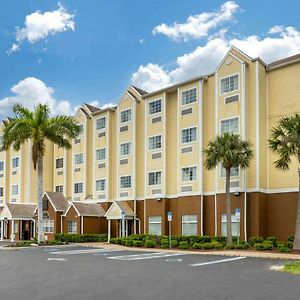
(229, 151)
(285, 141)
(37, 126)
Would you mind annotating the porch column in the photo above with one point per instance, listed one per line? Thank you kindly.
(2, 230)
(12, 231)
(109, 231)
(123, 227)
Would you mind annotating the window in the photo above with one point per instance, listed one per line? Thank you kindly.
(230, 125)
(1, 191)
(59, 163)
(189, 135)
(154, 178)
(72, 227)
(78, 188)
(189, 174)
(230, 84)
(155, 142)
(155, 225)
(78, 158)
(81, 128)
(16, 226)
(189, 96)
(100, 154)
(125, 149)
(125, 182)
(59, 189)
(15, 162)
(234, 172)
(101, 123)
(100, 185)
(155, 107)
(125, 115)
(48, 224)
(14, 189)
(234, 225)
(1, 166)
(189, 225)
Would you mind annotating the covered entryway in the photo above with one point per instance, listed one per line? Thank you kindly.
(121, 212)
(17, 222)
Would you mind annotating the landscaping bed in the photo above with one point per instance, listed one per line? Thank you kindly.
(293, 268)
(204, 243)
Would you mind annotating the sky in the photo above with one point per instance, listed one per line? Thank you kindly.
(73, 51)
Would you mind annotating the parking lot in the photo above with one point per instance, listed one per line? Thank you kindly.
(90, 273)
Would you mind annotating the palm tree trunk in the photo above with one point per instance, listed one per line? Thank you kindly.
(40, 200)
(228, 208)
(296, 245)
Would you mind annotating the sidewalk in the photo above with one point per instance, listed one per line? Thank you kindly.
(246, 253)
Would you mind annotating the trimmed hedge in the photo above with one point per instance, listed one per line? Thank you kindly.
(80, 238)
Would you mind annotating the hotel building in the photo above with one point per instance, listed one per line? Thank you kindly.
(143, 158)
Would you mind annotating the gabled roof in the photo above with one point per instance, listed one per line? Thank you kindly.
(92, 108)
(284, 61)
(119, 208)
(18, 211)
(140, 91)
(87, 209)
(57, 200)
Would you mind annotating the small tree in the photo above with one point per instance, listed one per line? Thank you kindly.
(37, 126)
(229, 151)
(285, 141)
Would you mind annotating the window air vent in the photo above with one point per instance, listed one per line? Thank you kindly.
(231, 99)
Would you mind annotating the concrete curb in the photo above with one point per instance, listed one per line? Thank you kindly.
(254, 254)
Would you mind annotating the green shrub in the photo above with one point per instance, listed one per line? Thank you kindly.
(258, 246)
(183, 245)
(267, 245)
(150, 244)
(112, 241)
(174, 243)
(284, 249)
(291, 238)
(220, 239)
(230, 246)
(208, 246)
(129, 243)
(80, 238)
(241, 246)
(255, 240)
(289, 244)
(273, 240)
(197, 246)
(138, 244)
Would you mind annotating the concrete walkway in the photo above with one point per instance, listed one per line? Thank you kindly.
(246, 253)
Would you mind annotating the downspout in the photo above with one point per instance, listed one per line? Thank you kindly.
(81, 230)
(61, 223)
(201, 153)
(216, 133)
(137, 219)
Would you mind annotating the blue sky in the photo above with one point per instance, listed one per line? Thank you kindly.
(101, 47)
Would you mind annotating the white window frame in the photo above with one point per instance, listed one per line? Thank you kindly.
(155, 174)
(16, 226)
(122, 144)
(188, 128)
(12, 160)
(234, 222)
(59, 188)
(12, 186)
(100, 149)
(155, 113)
(48, 224)
(227, 119)
(161, 142)
(76, 163)
(72, 227)
(189, 167)
(187, 222)
(1, 191)
(223, 173)
(190, 103)
(220, 84)
(100, 119)
(122, 111)
(155, 222)
(129, 187)
(77, 183)
(59, 158)
(3, 163)
(81, 128)
(100, 180)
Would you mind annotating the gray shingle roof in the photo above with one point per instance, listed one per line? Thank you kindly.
(19, 211)
(89, 209)
(58, 200)
(125, 208)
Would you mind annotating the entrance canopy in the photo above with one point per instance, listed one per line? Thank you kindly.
(119, 210)
(14, 211)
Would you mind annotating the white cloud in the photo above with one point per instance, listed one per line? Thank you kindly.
(107, 105)
(39, 26)
(280, 42)
(14, 48)
(31, 91)
(198, 26)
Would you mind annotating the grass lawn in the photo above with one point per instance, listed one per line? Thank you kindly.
(292, 267)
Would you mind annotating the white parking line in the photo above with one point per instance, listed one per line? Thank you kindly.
(57, 259)
(143, 256)
(217, 261)
(83, 251)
